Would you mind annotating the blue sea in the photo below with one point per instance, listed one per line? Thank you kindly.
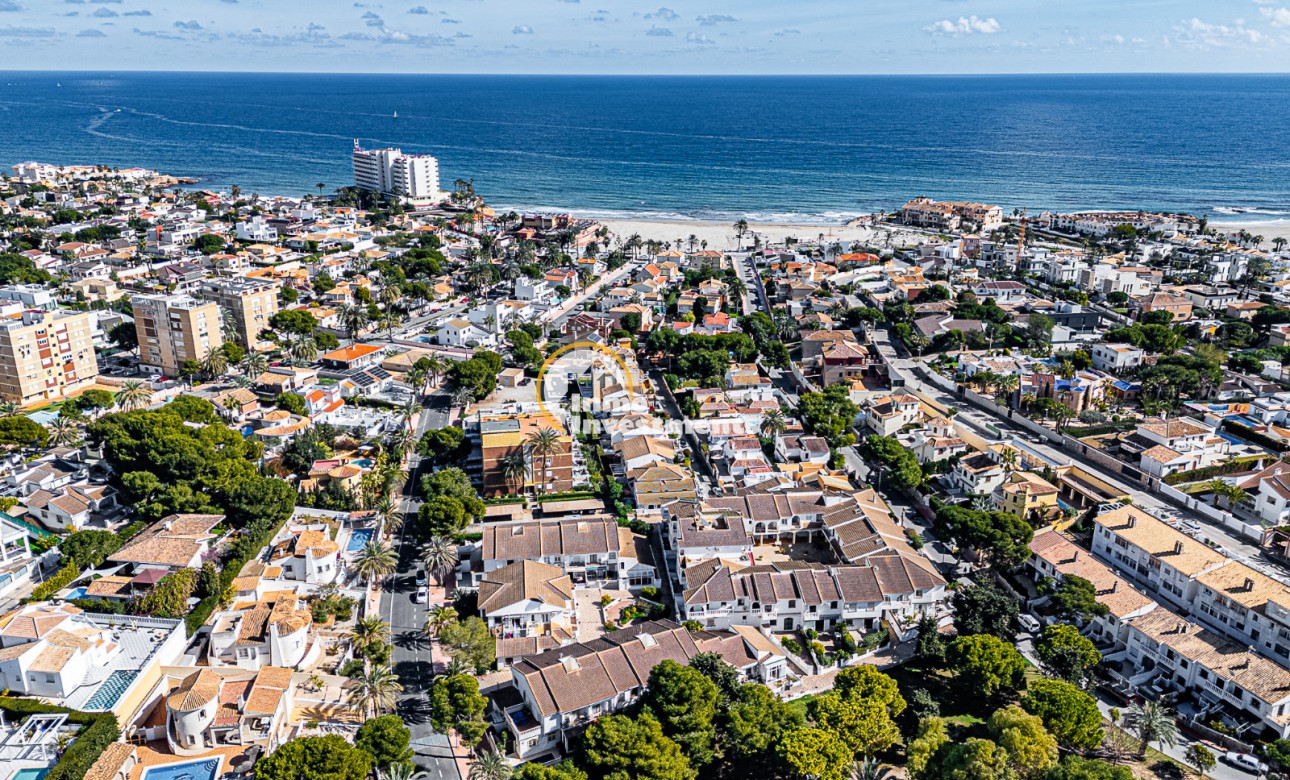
(814, 149)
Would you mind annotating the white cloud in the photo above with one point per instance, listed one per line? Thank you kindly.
(521, 29)
(708, 21)
(659, 32)
(664, 13)
(105, 13)
(91, 33)
(418, 9)
(1198, 33)
(191, 26)
(965, 25)
(1280, 17)
(699, 39)
(8, 6)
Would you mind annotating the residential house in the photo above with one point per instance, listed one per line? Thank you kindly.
(274, 631)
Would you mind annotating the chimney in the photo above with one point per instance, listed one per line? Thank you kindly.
(1115, 586)
(1075, 556)
(1249, 584)
(1132, 521)
(1178, 548)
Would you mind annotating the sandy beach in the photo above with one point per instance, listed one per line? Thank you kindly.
(721, 235)
(1269, 230)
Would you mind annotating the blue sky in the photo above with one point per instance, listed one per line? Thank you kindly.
(657, 36)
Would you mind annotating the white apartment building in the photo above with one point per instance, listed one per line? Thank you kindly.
(391, 172)
(1115, 358)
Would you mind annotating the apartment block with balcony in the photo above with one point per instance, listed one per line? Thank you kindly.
(173, 329)
(46, 355)
(252, 302)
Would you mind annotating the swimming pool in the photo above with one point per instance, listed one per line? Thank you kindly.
(362, 463)
(30, 773)
(204, 769)
(111, 689)
(77, 593)
(359, 539)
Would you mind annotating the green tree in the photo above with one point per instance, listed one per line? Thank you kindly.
(999, 538)
(1069, 714)
(16, 269)
(22, 432)
(294, 322)
(291, 402)
(456, 703)
(929, 648)
(317, 758)
(755, 723)
(1067, 654)
(985, 608)
(1077, 599)
(829, 413)
(921, 753)
(815, 753)
(89, 548)
(1201, 757)
(565, 770)
(993, 666)
(861, 709)
(620, 748)
(685, 703)
(1073, 767)
(722, 674)
(386, 739)
(974, 759)
(169, 597)
(898, 462)
(1039, 331)
(469, 641)
(1031, 750)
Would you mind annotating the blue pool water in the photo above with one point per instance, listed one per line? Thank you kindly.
(204, 769)
(359, 539)
(78, 593)
(29, 774)
(111, 689)
(362, 463)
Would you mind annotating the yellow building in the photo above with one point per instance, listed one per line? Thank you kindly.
(252, 302)
(46, 355)
(1027, 497)
(175, 328)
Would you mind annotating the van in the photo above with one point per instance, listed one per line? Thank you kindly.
(1028, 623)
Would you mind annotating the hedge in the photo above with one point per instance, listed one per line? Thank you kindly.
(55, 583)
(100, 730)
(1277, 446)
(1218, 470)
(239, 553)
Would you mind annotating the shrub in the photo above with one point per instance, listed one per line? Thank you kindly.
(791, 646)
(98, 731)
(61, 580)
(650, 593)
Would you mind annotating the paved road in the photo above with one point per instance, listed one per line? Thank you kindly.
(557, 315)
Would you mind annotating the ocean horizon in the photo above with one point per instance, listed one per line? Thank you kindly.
(796, 149)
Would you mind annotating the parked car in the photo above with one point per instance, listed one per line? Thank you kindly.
(422, 579)
(421, 596)
(1243, 761)
(1028, 622)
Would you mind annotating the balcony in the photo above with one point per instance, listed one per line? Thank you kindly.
(521, 722)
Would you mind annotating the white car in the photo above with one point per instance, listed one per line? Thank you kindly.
(1028, 623)
(1243, 761)
(421, 596)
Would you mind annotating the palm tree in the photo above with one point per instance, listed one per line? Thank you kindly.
(543, 443)
(1218, 487)
(133, 394)
(741, 227)
(1151, 722)
(401, 442)
(304, 350)
(369, 632)
(375, 561)
(63, 432)
(440, 555)
(490, 765)
(462, 395)
(390, 319)
(1234, 495)
(390, 514)
(773, 423)
(436, 367)
(400, 770)
(1008, 458)
(353, 318)
(376, 690)
(870, 769)
(215, 363)
(515, 469)
(254, 364)
(416, 378)
(439, 619)
(11, 408)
